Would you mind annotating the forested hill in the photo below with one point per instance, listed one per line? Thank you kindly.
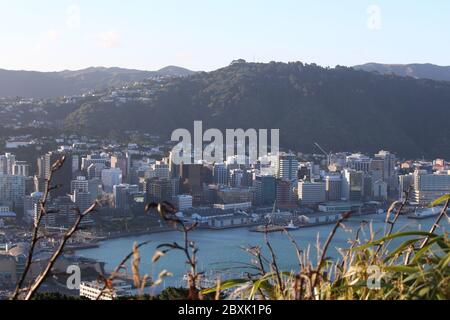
(341, 108)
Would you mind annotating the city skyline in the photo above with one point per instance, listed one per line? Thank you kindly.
(81, 34)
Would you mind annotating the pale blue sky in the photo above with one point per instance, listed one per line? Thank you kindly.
(207, 34)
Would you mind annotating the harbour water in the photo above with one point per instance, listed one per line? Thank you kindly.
(222, 249)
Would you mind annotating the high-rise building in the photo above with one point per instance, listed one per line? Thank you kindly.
(122, 162)
(12, 189)
(368, 186)
(158, 190)
(31, 205)
(333, 187)
(21, 168)
(39, 184)
(94, 188)
(60, 213)
(380, 190)
(183, 202)
(6, 163)
(236, 178)
(95, 170)
(62, 177)
(352, 185)
(82, 199)
(287, 167)
(359, 162)
(122, 194)
(94, 159)
(429, 187)
(110, 178)
(220, 174)
(405, 182)
(388, 169)
(311, 193)
(265, 190)
(158, 170)
(286, 196)
(191, 178)
(80, 184)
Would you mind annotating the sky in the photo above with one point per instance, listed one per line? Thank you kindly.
(54, 35)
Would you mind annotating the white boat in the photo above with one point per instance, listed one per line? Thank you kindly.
(291, 226)
(424, 213)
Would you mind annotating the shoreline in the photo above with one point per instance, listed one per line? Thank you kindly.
(202, 228)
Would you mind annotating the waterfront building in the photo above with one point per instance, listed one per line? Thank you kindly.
(340, 206)
(234, 206)
(311, 193)
(429, 187)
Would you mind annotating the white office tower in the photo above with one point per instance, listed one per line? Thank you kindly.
(183, 202)
(287, 167)
(359, 162)
(80, 184)
(21, 168)
(110, 178)
(429, 187)
(31, 205)
(311, 193)
(388, 168)
(6, 163)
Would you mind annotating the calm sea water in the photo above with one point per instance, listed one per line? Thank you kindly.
(221, 250)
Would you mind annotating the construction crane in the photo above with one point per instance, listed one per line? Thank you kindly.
(327, 154)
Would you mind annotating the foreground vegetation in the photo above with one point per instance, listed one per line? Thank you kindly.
(417, 268)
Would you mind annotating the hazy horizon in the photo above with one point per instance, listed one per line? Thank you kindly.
(202, 70)
(78, 34)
